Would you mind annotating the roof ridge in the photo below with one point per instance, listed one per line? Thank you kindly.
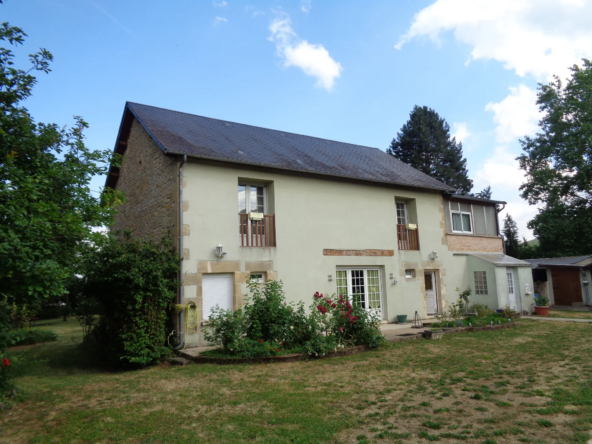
(264, 128)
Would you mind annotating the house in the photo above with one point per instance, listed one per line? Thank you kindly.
(320, 215)
(564, 280)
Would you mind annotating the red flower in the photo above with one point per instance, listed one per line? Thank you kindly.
(328, 301)
(282, 344)
(278, 350)
(260, 340)
(355, 318)
(317, 295)
(333, 305)
(5, 362)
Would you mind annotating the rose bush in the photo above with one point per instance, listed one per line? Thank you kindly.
(267, 324)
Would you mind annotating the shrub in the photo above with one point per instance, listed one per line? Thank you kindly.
(267, 323)
(347, 321)
(30, 337)
(226, 328)
(133, 282)
(269, 316)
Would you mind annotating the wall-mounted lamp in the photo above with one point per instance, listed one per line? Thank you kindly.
(219, 253)
(433, 255)
(330, 278)
(392, 277)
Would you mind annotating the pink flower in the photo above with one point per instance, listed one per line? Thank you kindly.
(324, 333)
(341, 329)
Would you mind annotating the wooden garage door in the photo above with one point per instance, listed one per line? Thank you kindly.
(566, 286)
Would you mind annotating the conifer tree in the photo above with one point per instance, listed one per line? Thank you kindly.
(424, 142)
(510, 233)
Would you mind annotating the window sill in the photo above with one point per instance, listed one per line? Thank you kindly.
(454, 233)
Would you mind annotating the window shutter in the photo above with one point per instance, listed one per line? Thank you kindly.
(217, 289)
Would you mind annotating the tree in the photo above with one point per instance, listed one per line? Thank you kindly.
(558, 165)
(425, 143)
(47, 210)
(510, 232)
(484, 194)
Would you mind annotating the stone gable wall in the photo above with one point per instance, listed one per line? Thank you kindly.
(148, 180)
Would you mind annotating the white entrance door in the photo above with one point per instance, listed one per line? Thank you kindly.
(364, 285)
(431, 292)
(217, 290)
(511, 288)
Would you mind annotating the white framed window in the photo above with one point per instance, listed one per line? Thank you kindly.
(462, 222)
(365, 284)
(510, 276)
(480, 282)
(401, 213)
(409, 274)
(252, 199)
(258, 277)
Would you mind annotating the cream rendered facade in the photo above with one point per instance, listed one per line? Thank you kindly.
(315, 214)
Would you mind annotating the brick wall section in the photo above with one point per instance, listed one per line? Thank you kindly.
(475, 243)
(148, 179)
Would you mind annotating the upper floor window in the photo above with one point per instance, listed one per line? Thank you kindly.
(461, 221)
(251, 199)
(256, 227)
(401, 213)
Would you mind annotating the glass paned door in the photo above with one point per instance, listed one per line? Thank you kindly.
(363, 285)
(511, 289)
(251, 199)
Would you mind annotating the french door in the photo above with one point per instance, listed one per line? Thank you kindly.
(363, 285)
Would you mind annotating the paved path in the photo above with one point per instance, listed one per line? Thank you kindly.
(541, 318)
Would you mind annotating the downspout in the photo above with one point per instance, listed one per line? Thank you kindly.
(181, 332)
(497, 226)
(586, 283)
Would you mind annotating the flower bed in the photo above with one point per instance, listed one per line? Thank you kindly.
(268, 327)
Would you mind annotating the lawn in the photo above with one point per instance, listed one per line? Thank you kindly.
(570, 314)
(532, 383)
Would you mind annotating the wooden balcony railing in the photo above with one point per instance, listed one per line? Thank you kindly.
(257, 233)
(408, 239)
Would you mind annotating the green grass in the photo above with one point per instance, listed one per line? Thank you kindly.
(534, 384)
(570, 314)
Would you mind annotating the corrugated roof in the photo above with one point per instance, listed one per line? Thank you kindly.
(571, 260)
(202, 137)
(501, 260)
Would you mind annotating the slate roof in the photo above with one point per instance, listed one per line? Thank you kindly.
(501, 260)
(550, 261)
(180, 133)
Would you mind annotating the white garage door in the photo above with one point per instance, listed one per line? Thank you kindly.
(216, 290)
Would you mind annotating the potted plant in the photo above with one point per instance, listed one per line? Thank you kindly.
(401, 319)
(542, 306)
(434, 333)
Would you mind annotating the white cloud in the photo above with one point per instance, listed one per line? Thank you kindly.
(305, 6)
(460, 131)
(219, 20)
(516, 116)
(538, 37)
(221, 4)
(313, 59)
(500, 171)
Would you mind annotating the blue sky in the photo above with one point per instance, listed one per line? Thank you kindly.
(343, 70)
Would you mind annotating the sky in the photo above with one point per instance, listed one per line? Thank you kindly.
(344, 70)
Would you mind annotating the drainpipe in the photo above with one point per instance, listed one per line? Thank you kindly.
(498, 227)
(181, 332)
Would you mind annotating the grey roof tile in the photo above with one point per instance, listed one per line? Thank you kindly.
(202, 137)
